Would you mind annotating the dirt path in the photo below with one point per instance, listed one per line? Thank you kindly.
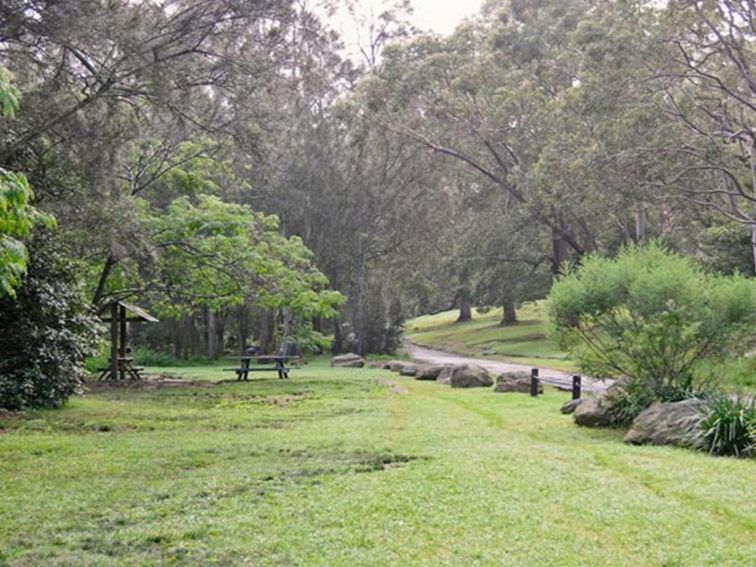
(547, 375)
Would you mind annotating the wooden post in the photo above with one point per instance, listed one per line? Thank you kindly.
(122, 349)
(114, 341)
(576, 387)
(534, 382)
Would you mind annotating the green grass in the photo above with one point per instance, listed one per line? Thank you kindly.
(354, 467)
(526, 342)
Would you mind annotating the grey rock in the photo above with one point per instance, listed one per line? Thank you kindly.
(675, 423)
(429, 372)
(470, 376)
(348, 361)
(445, 375)
(515, 382)
(596, 411)
(408, 370)
(592, 413)
(395, 365)
(570, 406)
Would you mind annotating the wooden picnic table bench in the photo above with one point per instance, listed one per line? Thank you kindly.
(125, 366)
(278, 362)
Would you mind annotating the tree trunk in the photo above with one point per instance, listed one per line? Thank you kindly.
(640, 224)
(266, 331)
(221, 331)
(465, 308)
(753, 246)
(510, 314)
(175, 331)
(212, 335)
(559, 250)
(243, 322)
(110, 261)
(338, 338)
(358, 313)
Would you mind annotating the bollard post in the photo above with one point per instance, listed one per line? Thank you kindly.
(534, 382)
(576, 387)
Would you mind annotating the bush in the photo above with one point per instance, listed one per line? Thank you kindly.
(730, 426)
(650, 316)
(144, 356)
(45, 333)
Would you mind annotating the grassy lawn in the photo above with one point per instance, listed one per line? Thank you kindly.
(354, 467)
(526, 342)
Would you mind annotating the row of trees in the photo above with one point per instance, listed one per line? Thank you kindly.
(580, 126)
(438, 172)
(147, 131)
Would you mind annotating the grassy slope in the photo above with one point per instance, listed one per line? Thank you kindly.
(526, 342)
(355, 467)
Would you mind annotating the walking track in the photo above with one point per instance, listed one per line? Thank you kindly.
(546, 375)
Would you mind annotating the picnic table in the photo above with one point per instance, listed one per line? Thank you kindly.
(125, 367)
(275, 362)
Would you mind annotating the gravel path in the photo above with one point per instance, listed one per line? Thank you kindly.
(547, 375)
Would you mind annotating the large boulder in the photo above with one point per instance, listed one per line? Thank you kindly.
(408, 370)
(597, 410)
(674, 423)
(470, 376)
(593, 413)
(571, 406)
(515, 382)
(444, 377)
(395, 365)
(429, 372)
(348, 361)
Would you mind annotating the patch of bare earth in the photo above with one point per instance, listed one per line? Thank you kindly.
(148, 382)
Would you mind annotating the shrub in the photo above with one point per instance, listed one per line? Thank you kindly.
(45, 333)
(651, 316)
(144, 356)
(729, 427)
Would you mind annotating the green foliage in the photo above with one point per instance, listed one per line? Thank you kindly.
(17, 216)
(144, 356)
(651, 316)
(730, 426)
(45, 332)
(9, 94)
(727, 248)
(729, 374)
(216, 254)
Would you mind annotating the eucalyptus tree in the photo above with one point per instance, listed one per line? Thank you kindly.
(488, 97)
(708, 73)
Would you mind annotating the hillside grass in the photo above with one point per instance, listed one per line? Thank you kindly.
(354, 467)
(525, 342)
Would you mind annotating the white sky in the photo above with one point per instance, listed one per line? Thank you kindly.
(440, 16)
